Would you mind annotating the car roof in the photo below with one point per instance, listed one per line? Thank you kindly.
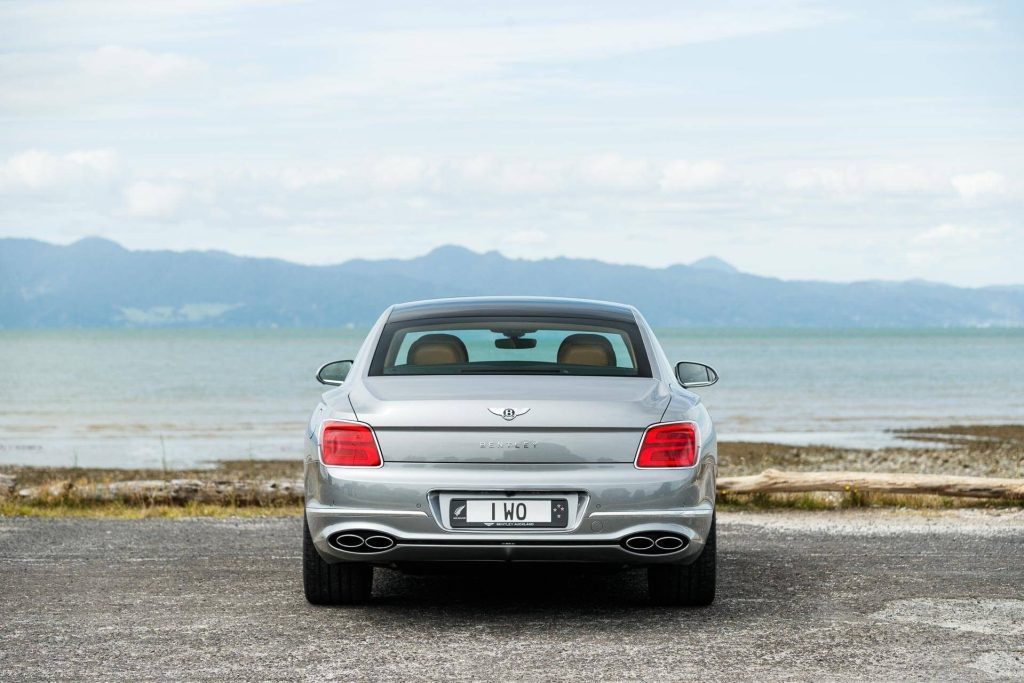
(483, 306)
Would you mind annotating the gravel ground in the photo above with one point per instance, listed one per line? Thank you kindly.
(842, 596)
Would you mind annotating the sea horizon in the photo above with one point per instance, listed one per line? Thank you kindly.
(188, 397)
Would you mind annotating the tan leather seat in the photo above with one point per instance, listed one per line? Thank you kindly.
(437, 349)
(586, 349)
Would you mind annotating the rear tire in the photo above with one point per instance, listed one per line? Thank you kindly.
(343, 583)
(691, 585)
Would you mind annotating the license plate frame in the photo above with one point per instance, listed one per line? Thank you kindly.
(508, 513)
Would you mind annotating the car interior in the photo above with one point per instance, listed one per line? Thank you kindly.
(510, 347)
(586, 349)
(438, 349)
(575, 349)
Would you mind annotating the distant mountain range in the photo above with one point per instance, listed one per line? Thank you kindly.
(97, 283)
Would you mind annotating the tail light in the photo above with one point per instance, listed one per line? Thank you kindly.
(673, 444)
(350, 444)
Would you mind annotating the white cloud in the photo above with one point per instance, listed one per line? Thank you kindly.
(512, 176)
(383, 174)
(121, 64)
(975, 185)
(826, 179)
(301, 177)
(36, 169)
(527, 238)
(615, 172)
(856, 180)
(102, 78)
(530, 177)
(145, 199)
(899, 179)
(971, 16)
(101, 161)
(399, 173)
(686, 176)
(943, 243)
(308, 230)
(402, 174)
(948, 233)
(389, 60)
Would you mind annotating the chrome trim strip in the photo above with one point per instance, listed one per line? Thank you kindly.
(655, 513)
(363, 512)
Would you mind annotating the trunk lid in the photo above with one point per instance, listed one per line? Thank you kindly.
(462, 418)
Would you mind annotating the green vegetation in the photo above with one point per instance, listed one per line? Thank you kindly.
(118, 510)
(853, 500)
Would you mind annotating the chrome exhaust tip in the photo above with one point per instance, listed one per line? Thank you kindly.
(639, 543)
(669, 543)
(380, 542)
(348, 541)
(362, 541)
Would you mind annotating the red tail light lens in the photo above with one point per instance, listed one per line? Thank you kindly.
(669, 445)
(349, 444)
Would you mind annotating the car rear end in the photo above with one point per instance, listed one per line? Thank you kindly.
(436, 453)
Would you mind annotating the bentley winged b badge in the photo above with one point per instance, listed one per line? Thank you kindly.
(509, 413)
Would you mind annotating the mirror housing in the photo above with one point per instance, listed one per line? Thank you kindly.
(515, 343)
(692, 375)
(333, 373)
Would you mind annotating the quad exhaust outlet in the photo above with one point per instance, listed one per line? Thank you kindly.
(640, 543)
(360, 541)
(654, 543)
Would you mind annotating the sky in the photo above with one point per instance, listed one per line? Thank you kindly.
(802, 140)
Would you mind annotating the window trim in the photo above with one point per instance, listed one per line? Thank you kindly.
(629, 329)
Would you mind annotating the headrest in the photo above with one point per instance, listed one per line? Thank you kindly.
(586, 349)
(437, 349)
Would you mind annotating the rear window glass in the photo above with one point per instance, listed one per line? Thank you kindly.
(510, 346)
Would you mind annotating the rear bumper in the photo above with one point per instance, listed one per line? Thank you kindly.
(615, 501)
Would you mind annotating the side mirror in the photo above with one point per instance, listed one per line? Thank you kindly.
(692, 375)
(333, 373)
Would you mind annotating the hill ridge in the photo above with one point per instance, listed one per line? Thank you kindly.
(96, 282)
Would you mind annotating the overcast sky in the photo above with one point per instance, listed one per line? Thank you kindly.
(821, 140)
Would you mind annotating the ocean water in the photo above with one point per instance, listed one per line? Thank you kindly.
(153, 398)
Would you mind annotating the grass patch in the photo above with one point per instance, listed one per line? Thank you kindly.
(774, 501)
(120, 510)
(856, 500)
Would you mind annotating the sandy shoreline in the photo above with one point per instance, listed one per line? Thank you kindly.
(972, 450)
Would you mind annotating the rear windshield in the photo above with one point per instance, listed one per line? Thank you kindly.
(506, 346)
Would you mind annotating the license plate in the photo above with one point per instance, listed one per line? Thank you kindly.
(509, 512)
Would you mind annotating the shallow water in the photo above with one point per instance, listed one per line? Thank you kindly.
(147, 398)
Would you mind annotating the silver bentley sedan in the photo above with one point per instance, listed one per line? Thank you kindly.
(510, 429)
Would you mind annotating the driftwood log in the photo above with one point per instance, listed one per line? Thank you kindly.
(776, 481)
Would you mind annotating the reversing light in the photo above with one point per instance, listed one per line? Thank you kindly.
(673, 444)
(349, 444)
